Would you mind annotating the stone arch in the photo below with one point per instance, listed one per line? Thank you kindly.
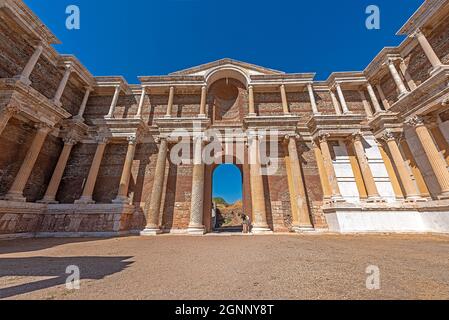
(226, 72)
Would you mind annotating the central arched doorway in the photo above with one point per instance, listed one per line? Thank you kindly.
(227, 198)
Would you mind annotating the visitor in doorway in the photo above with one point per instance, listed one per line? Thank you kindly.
(245, 223)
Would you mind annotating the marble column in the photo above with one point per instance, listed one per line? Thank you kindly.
(252, 108)
(366, 104)
(284, 100)
(373, 97)
(440, 140)
(203, 102)
(122, 195)
(6, 114)
(196, 225)
(53, 186)
(384, 99)
(15, 193)
(397, 79)
(329, 167)
(29, 67)
(86, 197)
(62, 85)
(80, 115)
(343, 103)
(171, 98)
(370, 184)
(437, 162)
(312, 98)
(427, 48)
(141, 103)
(259, 222)
(327, 193)
(411, 191)
(153, 227)
(335, 102)
(118, 89)
(301, 219)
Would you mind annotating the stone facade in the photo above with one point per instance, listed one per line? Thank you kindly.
(360, 152)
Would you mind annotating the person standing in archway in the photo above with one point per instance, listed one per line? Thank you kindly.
(246, 223)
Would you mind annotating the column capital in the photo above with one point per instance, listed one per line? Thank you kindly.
(43, 127)
(445, 102)
(356, 136)
(70, 140)
(323, 137)
(415, 121)
(416, 33)
(102, 140)
(11, 109)
(132, 140)
(289, 136)
(388, 135)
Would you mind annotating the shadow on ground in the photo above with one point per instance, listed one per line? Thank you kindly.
(29, 245)
(91, 268)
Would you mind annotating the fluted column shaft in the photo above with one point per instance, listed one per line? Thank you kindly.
(252, 108)
(114, 102)
(411, 190)
(327, 193)
(312, 98)
(171, 98)
(29, 67)
(62, 85)
(196, 225)
(122, 195)
(141, 102)
(370, 184)
(84, 104)
(257, 189)
(284, 100)
(157, 191)
(330, 171)
(15, 193)
(373, 97)
(427, 48)
(203, 102)
(343, 103)
(437, 163)
(301, 219)
(89, 187)
(397, 79)
(53, 186)
(335, 103)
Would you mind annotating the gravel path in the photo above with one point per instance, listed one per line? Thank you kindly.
(227, 267)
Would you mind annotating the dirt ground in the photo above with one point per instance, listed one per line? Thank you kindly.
(227, 267)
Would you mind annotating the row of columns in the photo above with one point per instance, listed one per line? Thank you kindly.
(301, 214)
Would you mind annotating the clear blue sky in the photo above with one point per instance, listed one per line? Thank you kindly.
(154, 37)
(227, 183)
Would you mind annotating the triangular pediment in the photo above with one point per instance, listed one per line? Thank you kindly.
(248, 68)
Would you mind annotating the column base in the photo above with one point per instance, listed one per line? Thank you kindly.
(413, 199)
(148, 232)
(78, 118)
(252, 115)
(85, 200)
(202, 116)
(435, 70)
(167, 116)
(121, 200)
(24, 80)
(402, 95)
(337, 199)
(108, 117)
(376, 199)
(48, 201)
(199, 231)
(17, 197)
(303, 229)
(261, 230)
(443, 196)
